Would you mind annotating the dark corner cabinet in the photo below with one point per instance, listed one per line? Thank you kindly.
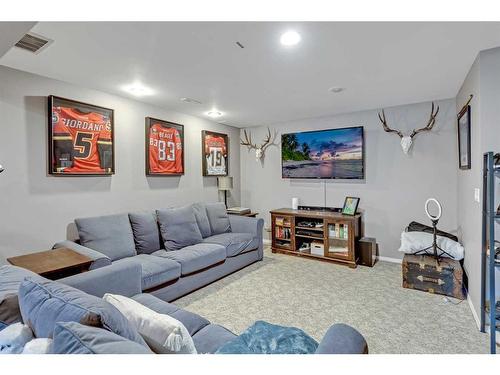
(321, 235)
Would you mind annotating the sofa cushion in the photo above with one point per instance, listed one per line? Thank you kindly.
(155, 270)
(146, 232)
(111, 235)
(195, 258)
(44, 303)
(235, 243)
(209, 339)
(178, 227)
(218, 218)
(200, 213)
(193, 322)
(11, 278)
(75, 338)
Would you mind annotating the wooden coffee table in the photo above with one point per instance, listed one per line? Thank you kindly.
(53, 264)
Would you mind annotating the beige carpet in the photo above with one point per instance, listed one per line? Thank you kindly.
(313, 295)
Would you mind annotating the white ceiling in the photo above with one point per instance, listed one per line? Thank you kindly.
(379, 64)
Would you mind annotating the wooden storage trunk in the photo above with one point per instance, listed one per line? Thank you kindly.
(423, 272)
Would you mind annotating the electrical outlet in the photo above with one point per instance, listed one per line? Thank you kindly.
(477, 195)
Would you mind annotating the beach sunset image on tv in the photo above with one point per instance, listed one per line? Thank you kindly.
(334, 153)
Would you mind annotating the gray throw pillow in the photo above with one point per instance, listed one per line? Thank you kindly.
(178, 227)
(200, 213)
(75, 338)
(11, 278)
(45, 303)
(111, 235)
(218, 218)
(146, 234)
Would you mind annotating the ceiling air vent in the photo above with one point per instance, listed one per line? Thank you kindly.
(33, 43)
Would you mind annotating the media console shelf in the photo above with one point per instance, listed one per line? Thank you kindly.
(322, 235)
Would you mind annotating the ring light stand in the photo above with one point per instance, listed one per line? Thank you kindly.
(434, 219)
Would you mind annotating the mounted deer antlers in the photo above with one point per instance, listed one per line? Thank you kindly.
(407, 140)
(259, 150)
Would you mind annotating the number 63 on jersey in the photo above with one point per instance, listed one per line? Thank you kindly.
(164, 148)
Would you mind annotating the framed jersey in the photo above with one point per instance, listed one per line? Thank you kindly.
(164, 148)
(81, 138)
(215, 149)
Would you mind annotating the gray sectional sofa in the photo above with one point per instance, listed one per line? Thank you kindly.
(127, 280)
(178, 249)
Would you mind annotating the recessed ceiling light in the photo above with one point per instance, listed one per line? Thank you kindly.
(214, 114)
(290, 38)
(138, 89)
(190, 100)
(336, 89)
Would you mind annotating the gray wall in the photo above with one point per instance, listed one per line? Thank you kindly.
(483, 81)
(35, 209)
(396, 185)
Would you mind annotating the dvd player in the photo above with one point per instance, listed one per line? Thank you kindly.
(319, 208)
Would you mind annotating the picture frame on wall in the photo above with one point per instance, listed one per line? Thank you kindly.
(464, 139)
(80, 138)
(164, 148)
(350, 206)
(215, 153)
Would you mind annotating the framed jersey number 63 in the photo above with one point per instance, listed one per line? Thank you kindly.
(164, 148)
(81, 138)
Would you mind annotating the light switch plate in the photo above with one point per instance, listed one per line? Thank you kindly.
(477, 195)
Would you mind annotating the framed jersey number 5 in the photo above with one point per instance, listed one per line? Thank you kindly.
(81, 138)
(164, 148)
(215, 152)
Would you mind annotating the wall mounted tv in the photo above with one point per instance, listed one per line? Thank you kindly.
(331, 153)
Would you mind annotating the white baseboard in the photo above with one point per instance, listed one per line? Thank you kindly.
(473, 310)
(391, 260)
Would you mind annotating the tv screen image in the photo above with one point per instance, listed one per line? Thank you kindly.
(332, 153)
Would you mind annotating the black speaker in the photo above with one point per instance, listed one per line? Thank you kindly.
(367, 251)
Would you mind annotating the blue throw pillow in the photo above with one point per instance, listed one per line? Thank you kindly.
(267, 338)
(178, 227)
(75, 338)
(2, 325)
(43, 303)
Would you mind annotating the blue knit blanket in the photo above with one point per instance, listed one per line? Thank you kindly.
(267, 338)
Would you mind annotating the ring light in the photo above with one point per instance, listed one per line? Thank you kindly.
(427, 209)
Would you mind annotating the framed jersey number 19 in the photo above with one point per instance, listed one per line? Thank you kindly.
(215, 153)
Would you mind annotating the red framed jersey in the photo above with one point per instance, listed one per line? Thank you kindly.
(165, 149)
(82, 141)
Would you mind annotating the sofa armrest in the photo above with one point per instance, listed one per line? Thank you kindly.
(245, 224)
(118, 278)
(342, 339)
(98, 259)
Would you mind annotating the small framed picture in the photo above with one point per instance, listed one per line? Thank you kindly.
(81, 138)
(350, 206)
(164, 148)
(464, 140)
(215, 150)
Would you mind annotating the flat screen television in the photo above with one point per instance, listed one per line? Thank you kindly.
(327, 154)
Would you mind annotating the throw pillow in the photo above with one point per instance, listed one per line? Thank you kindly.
(110, 235)
(75, 338)
(146, 234)
(44, 303)
(267, 338)
(178, 227)
(200, 213)
(163, 333)
(218, 218)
